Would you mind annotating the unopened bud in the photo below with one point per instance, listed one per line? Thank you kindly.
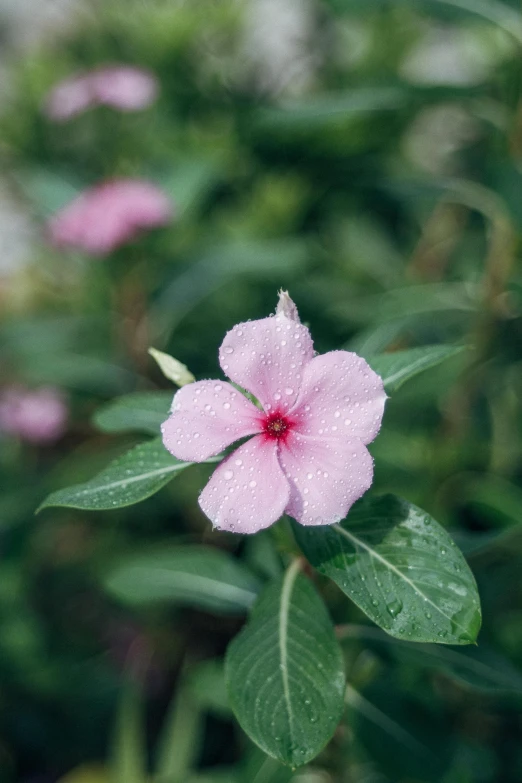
(286, 307)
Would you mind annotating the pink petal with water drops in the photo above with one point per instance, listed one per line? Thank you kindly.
(341, 397)
(325, 477)
(248, 491)
(207, 416)
(267, 357)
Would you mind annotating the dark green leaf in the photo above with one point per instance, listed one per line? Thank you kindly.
(136, 475)
(477, 667)
(401, 568)
(285, 673)
(140, 411)
(398, 367)
(199, 576)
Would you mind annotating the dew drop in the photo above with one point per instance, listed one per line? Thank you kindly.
(228, 474)
(394, 607)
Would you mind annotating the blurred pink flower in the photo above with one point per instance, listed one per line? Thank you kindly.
(308, 457)
(109, 215)
(37, 416)
(120, 86)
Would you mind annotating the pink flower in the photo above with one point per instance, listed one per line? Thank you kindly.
(308, 456)
(121, 87)
(109, 215)
(38, 416)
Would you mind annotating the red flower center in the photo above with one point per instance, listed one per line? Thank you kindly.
(276, 425)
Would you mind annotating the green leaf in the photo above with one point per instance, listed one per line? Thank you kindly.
(476, 667)
(129, 755)
(136, 475)
(198, 576)
(136, 412)
(495, 11)
(189, 182)
(285, 674)
(355, 700)
(180, 739)
(398, 367)
(401, 568)
(217, 263)
(339, 105)
(171, 368)
(80, 371)
(48, 190)
(206, 681)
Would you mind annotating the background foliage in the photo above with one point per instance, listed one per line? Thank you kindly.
(371, 163)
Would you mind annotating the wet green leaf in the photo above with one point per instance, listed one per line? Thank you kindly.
(285, 673)
(401, 568)
(136, 475)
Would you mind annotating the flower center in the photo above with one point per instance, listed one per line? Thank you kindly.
(276, 425)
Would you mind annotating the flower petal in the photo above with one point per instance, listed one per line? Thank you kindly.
(341, 397)
(267, 357)
(326, 477)
(206, 417)
(248, 491)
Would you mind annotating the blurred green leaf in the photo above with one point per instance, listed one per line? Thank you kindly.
(87, 774)
(284, 672)
(133, 477)
(203, 577)
(398, 367)
(47, 190)
(82, 372)
(401, 568)
(317, 111)
(189, 182)
(498, 499)
(138, 411)
(180, 738)
(217, 264)
(499, 13)
(206, 681)
(412, 300)
(477, 667)
(128, 751)
(355, 700)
